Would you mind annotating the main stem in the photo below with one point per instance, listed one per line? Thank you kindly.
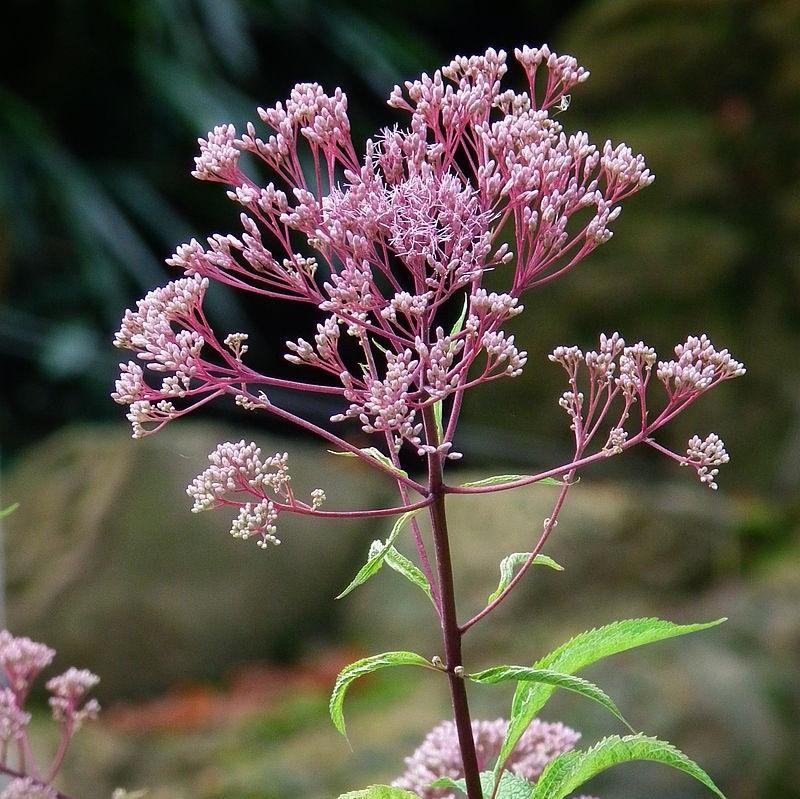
(451, 633)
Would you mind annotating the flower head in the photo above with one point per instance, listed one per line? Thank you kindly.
(439, 754)
(22, 660)
(68, 697)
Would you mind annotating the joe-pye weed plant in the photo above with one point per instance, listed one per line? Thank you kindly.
(391, 243)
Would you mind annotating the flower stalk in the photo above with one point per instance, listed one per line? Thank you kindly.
(451, 632)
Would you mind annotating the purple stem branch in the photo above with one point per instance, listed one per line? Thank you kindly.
(548, 528)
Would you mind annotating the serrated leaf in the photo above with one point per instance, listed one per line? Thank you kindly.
(379, 792)
(554, 679)
(511, 786)
(509, 478)
(402, 565)
(572, 769)
(374, 453)
(579, 652)
(360, 668)
(375, 561)
(9, 510)
(509, 564)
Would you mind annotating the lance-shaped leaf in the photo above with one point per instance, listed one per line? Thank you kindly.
(379, 792)
(511, 786)
(360, 668)
(402, 565)
(572, 769)
(552, 679)
(510, 478)
(375, 561)
(579, 652)
(9, 510)
(510, 563)
(376, 454)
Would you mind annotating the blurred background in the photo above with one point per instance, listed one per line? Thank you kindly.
(216, 659)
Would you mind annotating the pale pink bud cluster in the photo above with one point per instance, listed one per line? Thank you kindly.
(22, 661)
(237, 473)
(68, 697)
(439, 754)
(219, 158)
(697, 367)
(164, 333)
(617, 376)
(705, 455)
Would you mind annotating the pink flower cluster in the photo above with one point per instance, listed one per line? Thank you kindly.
(617, 376)
(439, 756)
(238, 468)
(22, 661)
(389, 243)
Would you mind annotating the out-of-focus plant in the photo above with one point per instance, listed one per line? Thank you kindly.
(391, 245)
(22, 661)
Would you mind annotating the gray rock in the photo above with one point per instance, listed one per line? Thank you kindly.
(107, 564)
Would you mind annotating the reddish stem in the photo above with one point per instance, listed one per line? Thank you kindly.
(451, 634)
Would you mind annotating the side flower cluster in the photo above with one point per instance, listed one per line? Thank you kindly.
(260, 488)
(22, 661)
(605, 384)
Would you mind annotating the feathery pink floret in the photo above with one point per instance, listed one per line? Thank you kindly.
(439, 754)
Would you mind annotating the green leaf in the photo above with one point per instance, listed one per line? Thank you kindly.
(374, 453)
(571, 769)
(9, 510)
(366, 666)
(437, 418)
(579, 652)
(554, 679)
(509, 564)
(459, 323)
(510, 478)
(375, 561)
(402, 565)
(511, 786)
(379, 792)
